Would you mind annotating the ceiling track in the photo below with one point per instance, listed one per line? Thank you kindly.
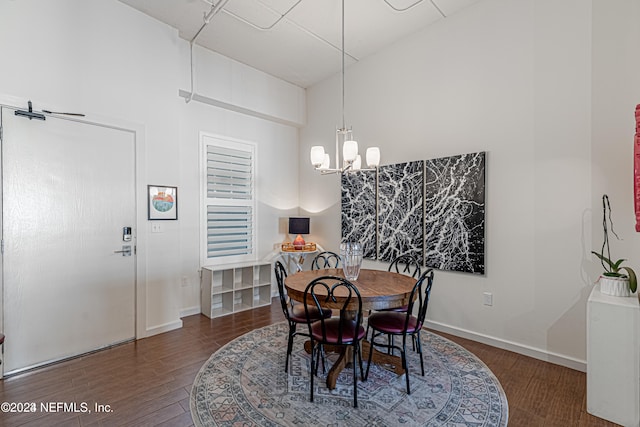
(397, 9)
(258, 27)
(303, 29)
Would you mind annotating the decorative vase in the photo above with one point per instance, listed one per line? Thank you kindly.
(351, 255)
(614, 286)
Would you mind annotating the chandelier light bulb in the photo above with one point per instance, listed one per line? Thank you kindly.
(317, 155)
(357, 163)
(373, 157)
(326, 162)
(349, 151)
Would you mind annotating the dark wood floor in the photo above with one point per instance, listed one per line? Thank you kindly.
(147, 382)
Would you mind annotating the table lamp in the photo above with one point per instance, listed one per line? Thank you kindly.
(299, 226)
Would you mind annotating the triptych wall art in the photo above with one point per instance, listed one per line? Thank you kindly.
(432, 209)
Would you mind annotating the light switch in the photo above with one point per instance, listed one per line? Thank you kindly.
(156, 227)
(488, 298)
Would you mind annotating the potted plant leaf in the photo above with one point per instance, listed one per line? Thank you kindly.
(616, 279)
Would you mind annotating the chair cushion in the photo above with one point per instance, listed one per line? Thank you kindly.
(392, 322)
(332, 327)
(298, 315)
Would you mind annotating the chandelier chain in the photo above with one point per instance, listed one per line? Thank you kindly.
(343, 121)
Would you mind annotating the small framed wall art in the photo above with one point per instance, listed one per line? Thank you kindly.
(162, 202)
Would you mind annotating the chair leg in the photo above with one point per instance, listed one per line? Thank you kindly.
(323, 356)
(417, 338)
(371, 347)
(292, 330)
(355, 377)
(312, 371)
(360, 361)
(404, 361)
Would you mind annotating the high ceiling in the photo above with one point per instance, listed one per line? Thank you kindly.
(298, 40)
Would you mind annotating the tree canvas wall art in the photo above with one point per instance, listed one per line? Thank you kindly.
(358, 216)
(455, 213)
(400, 210)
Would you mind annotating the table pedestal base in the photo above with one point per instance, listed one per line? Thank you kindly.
(345, 357)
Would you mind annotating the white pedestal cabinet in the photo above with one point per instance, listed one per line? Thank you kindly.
(229, 289)
(613, 358)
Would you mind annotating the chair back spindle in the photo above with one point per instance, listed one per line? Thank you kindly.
(422, 298)
(281, 274)
(406, 264)
(326, 259)
(350, 318)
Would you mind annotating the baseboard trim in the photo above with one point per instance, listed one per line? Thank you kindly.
(164, 328)
(189, 311)
(536, 353)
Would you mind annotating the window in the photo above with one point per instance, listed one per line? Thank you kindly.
(229, 208)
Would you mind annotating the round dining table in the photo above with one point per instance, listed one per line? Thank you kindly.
(378, 289)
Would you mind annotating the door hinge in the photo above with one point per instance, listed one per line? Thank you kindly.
(1, 133)
(2, 246)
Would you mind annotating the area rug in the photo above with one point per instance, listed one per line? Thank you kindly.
(244, 384)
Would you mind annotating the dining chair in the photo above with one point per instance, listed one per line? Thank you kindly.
(295, 313)
(344, 330)
(326, 259)
(408, 265)
(403, 264)
(391, 323)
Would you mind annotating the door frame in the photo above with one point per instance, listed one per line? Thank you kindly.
(140, 173)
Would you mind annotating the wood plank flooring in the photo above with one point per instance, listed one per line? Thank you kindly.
(147, 382)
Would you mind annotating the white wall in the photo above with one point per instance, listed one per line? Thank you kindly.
(276, 151)
(118, 65)
(616, 92)
(512, 78)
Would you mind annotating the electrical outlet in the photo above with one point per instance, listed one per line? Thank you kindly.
(488, 298)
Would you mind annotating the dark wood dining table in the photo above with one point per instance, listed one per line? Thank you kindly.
(379, 290)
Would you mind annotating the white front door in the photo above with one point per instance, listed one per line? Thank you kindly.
(68, 192)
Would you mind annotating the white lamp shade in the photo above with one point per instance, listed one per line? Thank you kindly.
(350, 151)
(373, 157)
(357, 163)
(317, 155)
(326, 162)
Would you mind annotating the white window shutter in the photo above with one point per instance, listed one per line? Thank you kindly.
(230, 202)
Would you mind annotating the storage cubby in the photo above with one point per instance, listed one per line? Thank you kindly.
(221, 281)
(244, 277)
(221, 304)
(262, 295)
(229, 289)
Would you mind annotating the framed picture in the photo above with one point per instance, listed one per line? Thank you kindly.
(162, 202)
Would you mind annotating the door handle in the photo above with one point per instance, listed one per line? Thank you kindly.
(126, 251)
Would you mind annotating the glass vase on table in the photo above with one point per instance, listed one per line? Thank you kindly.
(351, 255)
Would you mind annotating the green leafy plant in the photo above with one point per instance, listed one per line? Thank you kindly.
(612, 269)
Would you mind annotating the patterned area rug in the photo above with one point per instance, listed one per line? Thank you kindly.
(244, 384)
